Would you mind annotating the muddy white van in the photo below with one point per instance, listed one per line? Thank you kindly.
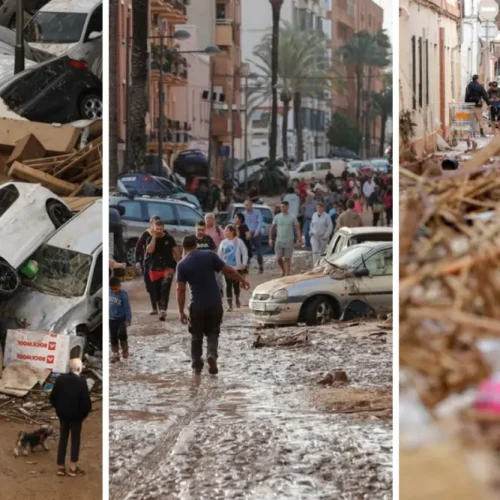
(317, 169)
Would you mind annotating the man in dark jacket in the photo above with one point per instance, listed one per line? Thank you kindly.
(71, 399)
(475, 93)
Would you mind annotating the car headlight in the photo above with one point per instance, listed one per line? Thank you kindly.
(281, 294)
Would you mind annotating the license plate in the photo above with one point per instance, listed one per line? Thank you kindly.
(259, 306)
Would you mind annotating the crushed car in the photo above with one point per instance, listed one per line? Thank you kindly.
(29, 213)
(361, 272)
(65, 294)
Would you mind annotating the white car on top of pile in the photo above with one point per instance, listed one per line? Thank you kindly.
(65, 295)
(29, 214)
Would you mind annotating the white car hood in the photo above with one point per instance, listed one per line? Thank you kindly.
(58, 49)
(34, 310)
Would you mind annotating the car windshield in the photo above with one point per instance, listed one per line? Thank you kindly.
(55, 27)
(61, 272)
(349, 256)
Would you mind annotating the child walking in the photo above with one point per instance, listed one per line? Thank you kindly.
(120, 317)
(233, 252)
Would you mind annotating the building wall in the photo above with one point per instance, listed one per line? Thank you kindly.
(443, 71)
(470, 56)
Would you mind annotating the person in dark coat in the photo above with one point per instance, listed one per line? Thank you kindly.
(70, 398)
(476, 94)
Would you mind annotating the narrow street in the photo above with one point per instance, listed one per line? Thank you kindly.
(262, 429)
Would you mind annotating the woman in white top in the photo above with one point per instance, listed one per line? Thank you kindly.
(233, 252)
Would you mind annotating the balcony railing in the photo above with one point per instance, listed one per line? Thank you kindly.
(173, 63)
(221, 21)
(180, 5)
(173, 131)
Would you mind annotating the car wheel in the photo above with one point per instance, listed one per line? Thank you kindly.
(58, 213)
(91, 107)
(319, 311)
(130, 254)
(9, 279)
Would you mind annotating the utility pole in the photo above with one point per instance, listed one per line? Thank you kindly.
(127, 93)
(210, 119)
(246, 131)
(19, 50)
(161, 104)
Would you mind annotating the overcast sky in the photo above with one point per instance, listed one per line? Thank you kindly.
(387, 5)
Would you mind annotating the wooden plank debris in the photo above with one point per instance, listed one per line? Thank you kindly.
(28, 148)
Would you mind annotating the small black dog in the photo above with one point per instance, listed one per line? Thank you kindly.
(27, 441)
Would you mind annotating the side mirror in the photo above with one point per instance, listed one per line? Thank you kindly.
(361, 273)
(121, 210)
(94, 35)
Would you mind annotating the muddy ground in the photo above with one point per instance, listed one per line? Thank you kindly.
(263, 428)
(37, 480)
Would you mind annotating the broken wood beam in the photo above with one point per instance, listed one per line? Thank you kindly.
(28, 174)
(483, 156)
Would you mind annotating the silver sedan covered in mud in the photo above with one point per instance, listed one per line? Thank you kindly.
(361, 272)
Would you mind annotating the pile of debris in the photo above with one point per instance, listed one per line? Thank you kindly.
(449, 274)
(67, 159)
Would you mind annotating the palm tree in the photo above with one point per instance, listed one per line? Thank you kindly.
(276, 14)
(301, 70)
(138, 92)
(365, 50)
(383, 106)
(113, 96)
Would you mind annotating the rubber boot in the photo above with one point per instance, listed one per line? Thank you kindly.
(124, 346)
(238, 303)
(229, 305)
(482, 132)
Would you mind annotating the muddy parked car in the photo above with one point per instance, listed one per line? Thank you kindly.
(349, 236)
(361, 272)
(65, 295)
(29, 213)
(8, 11)
(179, 217)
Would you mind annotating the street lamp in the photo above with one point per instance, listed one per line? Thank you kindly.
(19, 51)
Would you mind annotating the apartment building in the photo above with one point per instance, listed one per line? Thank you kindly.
(430, 66)
(349, 17)
(316, 110)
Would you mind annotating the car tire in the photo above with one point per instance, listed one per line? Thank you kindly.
(58, 213)
(91, 107)
(319, 311)
(9, 279)
(130, 252)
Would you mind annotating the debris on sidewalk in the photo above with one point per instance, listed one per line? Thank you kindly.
(449, 277)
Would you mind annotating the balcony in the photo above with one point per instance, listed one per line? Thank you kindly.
(224, 35)
(173, 64)
(221, 125)
(176, 136)
(174, 11)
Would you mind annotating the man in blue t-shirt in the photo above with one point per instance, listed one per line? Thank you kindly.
(197, 269)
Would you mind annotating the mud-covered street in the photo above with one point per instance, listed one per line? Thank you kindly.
(261, 429)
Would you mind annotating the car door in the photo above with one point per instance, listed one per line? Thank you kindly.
(187, 217)
(135, 218)
(376, 288)
(166, 212)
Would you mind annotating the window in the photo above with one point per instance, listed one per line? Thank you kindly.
(414, 70)
(323, 165)
(133, 210)
(95, 22)
(8, 196)
(96, 283)
(380, 264)
(307, 167)
(188, 216)
(220, 11)
(55, 27)
(339, 244)
(165, 211)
